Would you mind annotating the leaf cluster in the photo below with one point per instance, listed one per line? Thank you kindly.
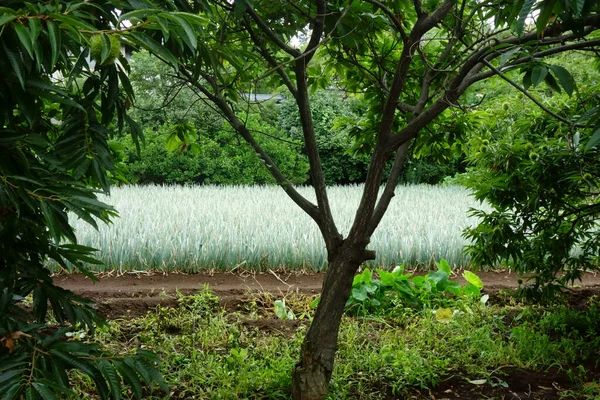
(422, 291)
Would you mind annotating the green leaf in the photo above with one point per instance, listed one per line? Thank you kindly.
(137, 14)
(130, 377)
(280, 309)
(440, 278)
(54, 38)
(15, 61)
(191, 35)
(24, 37)
(444, 266)
(523, 14)
(594, 140)
(51, 220)
(113, 378)
(240, 6)
(6, 18)
(9, 375)
(12, 392)
(538, 74)
(43, 390)
(550, 81)
(35, 27)
(472, 279)
(546, 11)
(154, 47)
(564, 78)
(360, 293)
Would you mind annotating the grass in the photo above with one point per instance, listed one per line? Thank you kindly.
(202, 227)
(210, 353)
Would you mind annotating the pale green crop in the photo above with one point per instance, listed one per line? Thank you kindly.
(199, 227)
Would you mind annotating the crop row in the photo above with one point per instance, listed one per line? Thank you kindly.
(192, 228)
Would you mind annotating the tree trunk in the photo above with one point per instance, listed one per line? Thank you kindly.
(312, 374)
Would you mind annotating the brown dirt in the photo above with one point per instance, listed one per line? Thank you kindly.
(135, 294)
(130, 295)
(507, 384)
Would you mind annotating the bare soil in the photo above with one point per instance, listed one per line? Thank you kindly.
(133, 294)
(129, 295)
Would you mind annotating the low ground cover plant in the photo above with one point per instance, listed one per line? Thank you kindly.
(434, 289)
(212, 353)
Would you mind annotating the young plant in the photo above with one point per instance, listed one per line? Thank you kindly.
(369, 294)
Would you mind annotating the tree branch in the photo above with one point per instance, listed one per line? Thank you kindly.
(243, 131)
(271, 60)
(389, 190)
(272, 35)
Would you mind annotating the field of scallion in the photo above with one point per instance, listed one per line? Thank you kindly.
(200, 227)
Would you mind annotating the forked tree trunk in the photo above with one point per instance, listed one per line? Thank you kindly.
(312, 374)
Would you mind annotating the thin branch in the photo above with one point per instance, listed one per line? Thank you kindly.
(389, 190)
(271, 60)
(272, 35)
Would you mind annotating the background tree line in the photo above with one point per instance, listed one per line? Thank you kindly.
(218, 156)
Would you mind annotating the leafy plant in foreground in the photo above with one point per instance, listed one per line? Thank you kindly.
(370, 294)
(55, 112)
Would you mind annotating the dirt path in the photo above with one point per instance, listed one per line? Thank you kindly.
(134, 294)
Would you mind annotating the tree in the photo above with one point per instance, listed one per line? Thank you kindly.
(540, 176)
(411, 60)
(56, 108)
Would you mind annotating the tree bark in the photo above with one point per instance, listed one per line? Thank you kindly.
(312, 374)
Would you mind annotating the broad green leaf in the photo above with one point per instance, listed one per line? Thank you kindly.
(365, 277)
(360, 293)
(564, 78)
(472, 279)
(280, 309)
(550, 81)
(6, 19)
(538, 74)
(444, 266)
(440, 278)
